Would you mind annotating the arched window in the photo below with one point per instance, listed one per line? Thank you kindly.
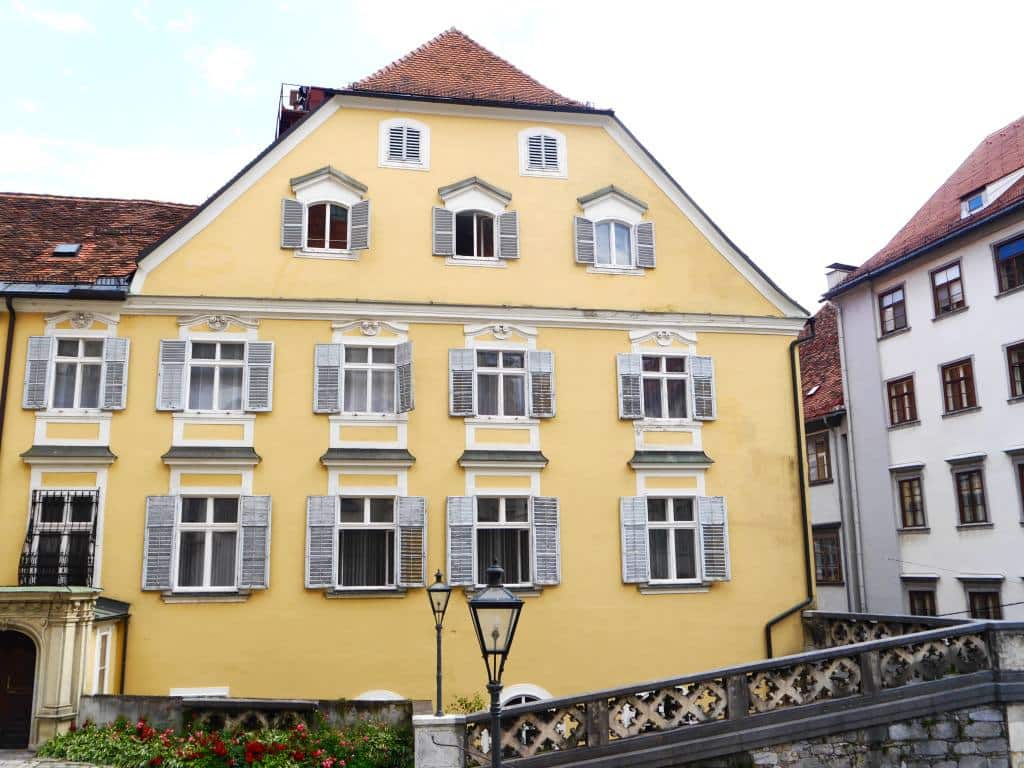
(523, 698)
(474, 234)
(614, 247)
(327, 226)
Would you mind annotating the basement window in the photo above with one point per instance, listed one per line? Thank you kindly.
(67, 249)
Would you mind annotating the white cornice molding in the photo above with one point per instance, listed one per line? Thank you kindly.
(217, 322)
(80, 319)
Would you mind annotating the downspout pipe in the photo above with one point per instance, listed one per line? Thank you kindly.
(8, 346)
(804, 517)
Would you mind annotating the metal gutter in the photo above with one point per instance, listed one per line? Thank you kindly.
(8, 346)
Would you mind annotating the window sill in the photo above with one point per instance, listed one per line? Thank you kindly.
(1017, 399)
(404, 165)
(1010, 291)
(357, 594)
(205, 597)
(904, 425)
(470, 261)
(484, 420)
(75, 413)
(919, 529)
(830, 583)
(950, 313)
(820, 482)
(329, 255)
(672, 589)
(961, 412)
(656, 423)
(344, 416)
(633, 271)
(525, 591)
(897, 332)
(542, 174)
(973, 526)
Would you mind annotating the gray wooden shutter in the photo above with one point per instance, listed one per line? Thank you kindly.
(291, 223)
(412, 144)
(461, 540)
(406, 399)
(259, 376)
(629, 368)
(714, 537)
(170, 383)
(702, 378)
(321, 541)
(547, 553)
(359, 239)
(412, 541)
(535, 151)
(443, 225)
(327, 378)
(396, 143)
(645, 245)
(158, 544)
(254, 564)
(636, 567)
(508, 235)
(583, 237)
(115, 373)
(37, 372)
(541, 366)
(461, 382)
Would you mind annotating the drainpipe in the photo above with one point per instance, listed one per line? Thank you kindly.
(124, 654)
(798, 431)
(7, 364)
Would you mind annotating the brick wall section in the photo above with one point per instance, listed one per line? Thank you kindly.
(965, 738)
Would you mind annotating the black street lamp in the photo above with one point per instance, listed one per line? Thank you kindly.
(438, 594)
(495, 613)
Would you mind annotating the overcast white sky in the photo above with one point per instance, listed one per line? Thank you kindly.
(810, 132)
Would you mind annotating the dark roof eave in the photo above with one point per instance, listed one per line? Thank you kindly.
(581, 108)
(950, 237)
(63, 290)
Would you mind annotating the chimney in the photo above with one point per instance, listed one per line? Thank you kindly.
(835, 273)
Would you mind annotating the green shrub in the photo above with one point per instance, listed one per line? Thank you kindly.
(367, 744)
(463, 705)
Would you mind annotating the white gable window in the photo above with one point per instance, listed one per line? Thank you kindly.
(404, 143)
(542, 153)
(612, 235)
(474, 228)
(326, 227)
(328, 218)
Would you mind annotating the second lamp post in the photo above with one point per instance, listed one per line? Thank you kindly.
(438, 593)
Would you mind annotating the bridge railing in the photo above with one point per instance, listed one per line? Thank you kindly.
(829, 630)
(599, 718)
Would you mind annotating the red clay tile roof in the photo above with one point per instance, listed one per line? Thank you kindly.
(111, 232)
(819, 366)
(1000, 154)
(454, 66)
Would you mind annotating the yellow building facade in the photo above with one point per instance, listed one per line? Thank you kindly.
(415, 334)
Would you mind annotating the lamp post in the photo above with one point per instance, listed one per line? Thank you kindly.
(438, 593)
(495, 613)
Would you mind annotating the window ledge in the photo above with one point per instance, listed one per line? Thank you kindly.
(633, 271)
(961, 412)
(973, 526)
(1017, 399)
(656, 423)
(356, 594)
(471, 261)
(919, 529)
(405, 165)
(485, 420)
(205, 597)
(830, 583)
(1010, 291)
(951, 312)
(820, 482)
(672, 589)
(530, 591)
(905, 329)
(905, 425)
(75, 413)
(328, 255)
(542, 174)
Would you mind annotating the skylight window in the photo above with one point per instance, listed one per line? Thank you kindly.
(974, 202)
(67, 249)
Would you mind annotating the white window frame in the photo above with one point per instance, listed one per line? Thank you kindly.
(216, 363)
(613, 222)
(672, 525)
(500, 372)
(366, 525)
(102, 661)
(561, 172)
(327, 232)
(503, 525)
(208, 528)
(79, 362)
(664, 376)
(384, 161)
(369, 367)
(477, 213)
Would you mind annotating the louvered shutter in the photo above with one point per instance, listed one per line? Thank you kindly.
(170, 383)
(254, 564)
(547, 553)
(291, 223)
(37, 372)
(115, 373)
(327, 378)
(541, 367)
(583, 237)
(412, 145)
(321, 541)
(550, 153)
(508, 235)
(461, 540)
(406, 400)
(702, 377)
(630, 400)
(158, 544)
(461, 382)
(636, 567)
(714, 537)
(396, 143)
(412, 541)
(535, 152)
(359, 239)
(443, 225)
(645, 245)
(259, 376)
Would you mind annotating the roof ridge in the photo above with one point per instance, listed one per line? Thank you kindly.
(402, 59)
(47, 195)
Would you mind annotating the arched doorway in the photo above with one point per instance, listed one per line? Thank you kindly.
(17, 676)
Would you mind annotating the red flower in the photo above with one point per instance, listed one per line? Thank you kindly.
(317, 753)
(219, 749)
(298, 755)
(156, 760)
(72, 727)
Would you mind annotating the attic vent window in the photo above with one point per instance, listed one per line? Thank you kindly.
(404, 144)
(543, 153)
(67, 249)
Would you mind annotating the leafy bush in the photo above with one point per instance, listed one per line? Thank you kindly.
(465, 705)
(367, 744)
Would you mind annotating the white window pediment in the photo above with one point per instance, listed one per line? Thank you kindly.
(474, 194)
(611, 203)
(328, 184)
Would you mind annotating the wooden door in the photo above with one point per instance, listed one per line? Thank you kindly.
(17, 675)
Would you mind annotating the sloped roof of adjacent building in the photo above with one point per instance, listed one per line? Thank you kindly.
(454, 66)
(821, 375)
(998, 155)
(111, 233)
